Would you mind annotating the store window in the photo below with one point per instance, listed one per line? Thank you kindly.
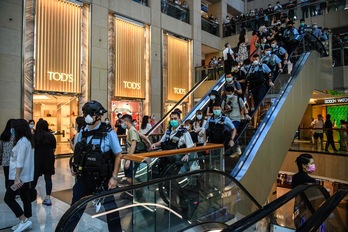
(133, 108)
(60, 112)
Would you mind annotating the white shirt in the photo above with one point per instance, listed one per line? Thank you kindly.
(184, 139)
(144, 131)
(318, 124)
(23, 157)
(225, 51)
(235, 114)
(200, 131)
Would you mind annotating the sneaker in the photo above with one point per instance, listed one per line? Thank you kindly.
(15, 226)
(238, 150)
(47, 202)
(23, 225)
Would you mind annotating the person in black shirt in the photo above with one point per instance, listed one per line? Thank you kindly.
(329, 134)
(305, 165)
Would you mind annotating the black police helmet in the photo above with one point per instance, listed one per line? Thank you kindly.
(93, 108)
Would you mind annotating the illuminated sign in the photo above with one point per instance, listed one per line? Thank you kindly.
(131, 85)
(56, 76)
(336, 100)
(179, 91)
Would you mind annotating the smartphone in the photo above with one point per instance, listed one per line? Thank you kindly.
(14, 187)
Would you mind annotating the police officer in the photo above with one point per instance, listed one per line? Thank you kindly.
(259, 78)
(97, 158)
(219, 128)
(176, 137)
(272, 61)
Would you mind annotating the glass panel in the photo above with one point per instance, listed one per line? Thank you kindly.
(210, 26)
(168, 205)
(338, 219)
(176, 10)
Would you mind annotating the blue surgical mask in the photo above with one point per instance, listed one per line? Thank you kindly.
(212, 97)
(229, 96)
(229, 79)
(217, 112)
(267, 53)
(199, 117)
(123, 126)
(174, 123)
(247, 67)
(31, 126)
(12, 131)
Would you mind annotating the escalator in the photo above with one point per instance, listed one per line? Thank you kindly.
(305, 208)
(208, 200)
(266, 144)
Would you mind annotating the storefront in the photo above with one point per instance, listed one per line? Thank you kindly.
(56, 81)
(177, 78)
(129, 87)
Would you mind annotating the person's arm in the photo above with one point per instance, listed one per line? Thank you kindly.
(113, 180)
(145, 140)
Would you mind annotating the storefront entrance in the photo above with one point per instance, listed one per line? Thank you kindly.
(131, 107)
(60, 112)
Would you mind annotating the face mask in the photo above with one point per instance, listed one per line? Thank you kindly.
(89, 120)
(212, 97)
(228, 79)
(235, 69)
(123, 126)
(217, 112)
(199, 117)
(187, 127)
(255, 62)
(107, 122)
(273, 45)
(311, 168)
(264, 40)
(229, 96)
(302, 24)
(267, 53)
(12, 131)
(315, 27)
(174, 123)
(247, 67)
(31, 126)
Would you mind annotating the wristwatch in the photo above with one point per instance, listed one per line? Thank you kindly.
(114, 177)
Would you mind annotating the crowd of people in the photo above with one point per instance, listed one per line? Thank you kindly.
(269, 15)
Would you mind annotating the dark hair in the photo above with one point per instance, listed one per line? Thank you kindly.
(234, 63)
(217, 104)
(31, 120)
(246, 62)
(226, 45)
(189, 121)
(128, 118)
(256, 56)
(42, 134)
(242, 36)
(80, 122)
(303, 159)
(328, 117)
(22, 129)
(176, 112)
(6, 134)
(229, 88)
(144, 122)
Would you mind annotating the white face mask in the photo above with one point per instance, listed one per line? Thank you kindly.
(134, 124)
(89, 120)
(187, 127)
(31, 126)
(273, 45)
(107, 122)
(255, 62)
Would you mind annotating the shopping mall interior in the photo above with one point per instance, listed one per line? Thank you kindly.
(150, 57)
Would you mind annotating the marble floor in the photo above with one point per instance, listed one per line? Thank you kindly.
(45, 218)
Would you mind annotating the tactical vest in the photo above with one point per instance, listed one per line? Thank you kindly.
(270, 62)
(258, 78)
(89, 159)
(173, 143)
(218, 132)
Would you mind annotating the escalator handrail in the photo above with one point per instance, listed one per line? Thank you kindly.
(177, 104)
(85, 200)
(257, 215)
(318, 218)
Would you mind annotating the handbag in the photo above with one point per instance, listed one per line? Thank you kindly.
(195, 164)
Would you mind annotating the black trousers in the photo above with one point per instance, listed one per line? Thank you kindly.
(85, 186)
(24, 193)
(330, 141)
(6, 172)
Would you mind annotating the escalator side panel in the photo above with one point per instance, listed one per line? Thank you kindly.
(260, 169)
